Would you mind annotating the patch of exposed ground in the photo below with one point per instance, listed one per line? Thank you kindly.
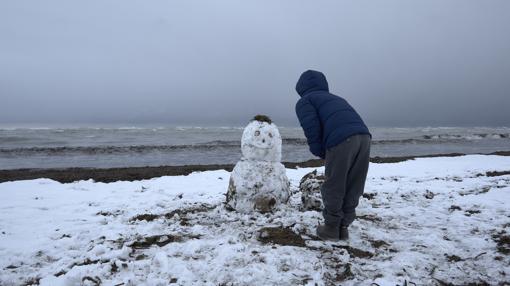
(370, 217)
(180, 212)
(340, 272)
(497, 173)
(281, 236)
(158, 240)
(379, 244)
(355, 252)
(87, 261)
(502, 240)
(452, 258)
(454, 208)
(472, 212)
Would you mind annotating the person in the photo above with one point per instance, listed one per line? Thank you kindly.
(334, 132)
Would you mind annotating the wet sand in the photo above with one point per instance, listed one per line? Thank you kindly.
(68, 175)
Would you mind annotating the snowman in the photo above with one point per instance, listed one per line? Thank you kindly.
(258, 181)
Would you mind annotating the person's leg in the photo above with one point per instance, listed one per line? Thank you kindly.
(338, 162)
(356, 178)
(333, 189)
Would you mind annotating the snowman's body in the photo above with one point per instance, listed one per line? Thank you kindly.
(258, 181)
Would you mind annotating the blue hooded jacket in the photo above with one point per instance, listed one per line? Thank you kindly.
(327, 119)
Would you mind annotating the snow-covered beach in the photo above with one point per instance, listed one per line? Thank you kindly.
(429, 221)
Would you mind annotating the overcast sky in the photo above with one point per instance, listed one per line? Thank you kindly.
(399, 63)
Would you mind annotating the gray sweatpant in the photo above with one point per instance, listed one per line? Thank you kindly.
(346, 172)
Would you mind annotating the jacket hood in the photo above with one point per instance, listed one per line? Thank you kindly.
(311, 80)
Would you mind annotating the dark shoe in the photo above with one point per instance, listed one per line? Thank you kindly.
(344, 232)
(327, 232)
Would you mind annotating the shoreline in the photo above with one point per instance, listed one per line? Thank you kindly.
(108, 175)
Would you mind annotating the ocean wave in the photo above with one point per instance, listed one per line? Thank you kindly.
(297, 141)
(424, 139)
(288, 141)
(474, 136)
(131, 149)
(443, 138)
(218, 144)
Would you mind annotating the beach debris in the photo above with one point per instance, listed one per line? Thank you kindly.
(369, 217)
(452, 258)
(471, 212)
(146, 217)
(310, 187)
(369, 196)
(258, 181)
(159, 240)
(429, 195)
(96, 281)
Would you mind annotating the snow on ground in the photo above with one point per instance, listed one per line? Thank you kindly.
(429, 221)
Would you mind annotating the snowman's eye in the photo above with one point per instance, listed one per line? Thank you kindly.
(270, 135)
(257, 133)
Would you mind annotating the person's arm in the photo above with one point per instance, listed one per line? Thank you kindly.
(311, 124)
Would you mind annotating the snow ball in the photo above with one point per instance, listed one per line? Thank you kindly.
(160, 261)
(52, 281)
(125, 252)
(310, 187)
(99, 250)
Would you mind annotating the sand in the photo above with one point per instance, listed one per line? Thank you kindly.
(108, 175)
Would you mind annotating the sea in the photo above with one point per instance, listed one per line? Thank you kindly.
(136, 146)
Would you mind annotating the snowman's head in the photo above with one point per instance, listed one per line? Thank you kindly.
(261, 140)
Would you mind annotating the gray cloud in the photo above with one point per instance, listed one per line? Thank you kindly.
(204, 62)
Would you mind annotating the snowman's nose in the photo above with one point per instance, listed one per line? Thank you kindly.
(263, 140)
